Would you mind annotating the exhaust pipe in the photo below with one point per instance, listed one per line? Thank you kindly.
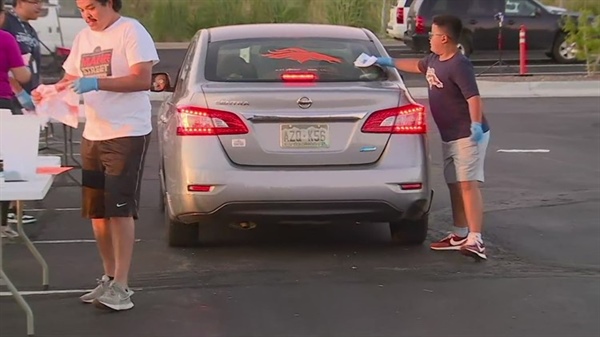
(244, 225)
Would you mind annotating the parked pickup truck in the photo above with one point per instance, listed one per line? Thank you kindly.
(481, 25)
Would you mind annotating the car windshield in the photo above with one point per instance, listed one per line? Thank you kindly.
(267, 60)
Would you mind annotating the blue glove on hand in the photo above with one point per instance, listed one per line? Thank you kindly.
(385, 62)
(85, 84)
(25, 100)
(476, 132)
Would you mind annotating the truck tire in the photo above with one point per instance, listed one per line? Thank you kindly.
(410, 232)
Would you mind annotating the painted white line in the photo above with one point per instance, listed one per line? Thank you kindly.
(46, 242)
(54, 292)
(46, 292)
(67, 209)
(523, 151)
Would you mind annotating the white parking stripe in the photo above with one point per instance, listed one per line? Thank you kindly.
(54, 292)
(524, 151)
(41, 242)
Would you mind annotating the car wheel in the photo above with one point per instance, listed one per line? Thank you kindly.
(410, 232)
(180, 234)
(465, 45)
(563, 51)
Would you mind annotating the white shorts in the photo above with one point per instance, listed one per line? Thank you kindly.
(464, 159)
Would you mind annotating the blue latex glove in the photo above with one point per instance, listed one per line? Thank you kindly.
(476, 132)
(25, 100)
(85, 84)
(385, 62)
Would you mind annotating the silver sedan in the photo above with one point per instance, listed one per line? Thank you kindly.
(275, 123)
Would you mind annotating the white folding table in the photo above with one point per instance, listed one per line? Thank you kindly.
(32, 190)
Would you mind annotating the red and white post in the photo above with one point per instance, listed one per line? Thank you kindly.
(522, 51)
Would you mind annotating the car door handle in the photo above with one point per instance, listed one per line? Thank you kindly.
(473, 21)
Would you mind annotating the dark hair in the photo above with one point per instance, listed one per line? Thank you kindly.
(450, 24)
(1, 6)
(116, 4)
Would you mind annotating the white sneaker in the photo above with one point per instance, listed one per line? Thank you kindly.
(116, 298)
(103, 284)
(8, 233)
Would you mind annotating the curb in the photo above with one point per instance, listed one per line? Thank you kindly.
(492, 89)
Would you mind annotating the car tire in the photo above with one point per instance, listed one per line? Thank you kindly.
(161, 196)
(465, 44)
(410, 232)
(180, 234)
(560, 54)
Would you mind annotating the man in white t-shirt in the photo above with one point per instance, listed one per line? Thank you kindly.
(110, 64)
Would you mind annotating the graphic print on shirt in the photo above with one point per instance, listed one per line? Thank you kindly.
(97, 64)
(432, 79)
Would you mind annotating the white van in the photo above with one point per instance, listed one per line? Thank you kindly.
(58, 24)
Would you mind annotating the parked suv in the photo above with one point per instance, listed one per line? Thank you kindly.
(397, 23)
(481, 25)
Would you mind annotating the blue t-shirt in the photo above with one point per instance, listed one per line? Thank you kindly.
(451, 83)
(29, 43)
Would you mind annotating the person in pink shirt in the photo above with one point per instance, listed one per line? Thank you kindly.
(11, 65)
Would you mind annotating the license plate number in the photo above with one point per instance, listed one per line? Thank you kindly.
(304, 136)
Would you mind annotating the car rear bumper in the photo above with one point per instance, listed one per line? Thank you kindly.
(324, 196)
(416, 42)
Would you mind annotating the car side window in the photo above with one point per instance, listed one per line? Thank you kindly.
(522, 8)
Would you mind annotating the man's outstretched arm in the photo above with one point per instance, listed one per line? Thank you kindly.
(406, 65)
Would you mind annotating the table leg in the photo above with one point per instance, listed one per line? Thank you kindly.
(31, 247)
(13, 290)
(21, 301)
(69, 152)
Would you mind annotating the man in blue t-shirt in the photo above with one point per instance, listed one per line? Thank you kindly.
(457, 111)
(17, 24)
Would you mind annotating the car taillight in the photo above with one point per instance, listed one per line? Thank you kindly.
(196, 121)
(420, 25)
(408, 119)
(299, 77)
(400, 15)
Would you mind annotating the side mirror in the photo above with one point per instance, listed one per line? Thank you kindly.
(161, 82)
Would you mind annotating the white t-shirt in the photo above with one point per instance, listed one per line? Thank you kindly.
(111, 53)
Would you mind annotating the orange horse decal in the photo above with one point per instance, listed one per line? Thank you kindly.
(300, 55)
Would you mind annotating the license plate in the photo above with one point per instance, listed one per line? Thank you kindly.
(304, 136)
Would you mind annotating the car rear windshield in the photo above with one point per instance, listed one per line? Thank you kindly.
(267, 60)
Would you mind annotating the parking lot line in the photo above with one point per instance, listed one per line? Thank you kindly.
(41, 242)
(523, 151)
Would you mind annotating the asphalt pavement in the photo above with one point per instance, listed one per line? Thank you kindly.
(541, 228)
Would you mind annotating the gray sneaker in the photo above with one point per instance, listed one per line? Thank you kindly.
(115, 298)
(98, 291)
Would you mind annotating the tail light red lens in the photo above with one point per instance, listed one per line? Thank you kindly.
(200, 188)
(420, 25)
(299, 77)
(400, 15)
(196, 121)
(408, 119)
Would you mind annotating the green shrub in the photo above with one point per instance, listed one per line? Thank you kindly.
(179, 20)
(576, 5)
(586, 36)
